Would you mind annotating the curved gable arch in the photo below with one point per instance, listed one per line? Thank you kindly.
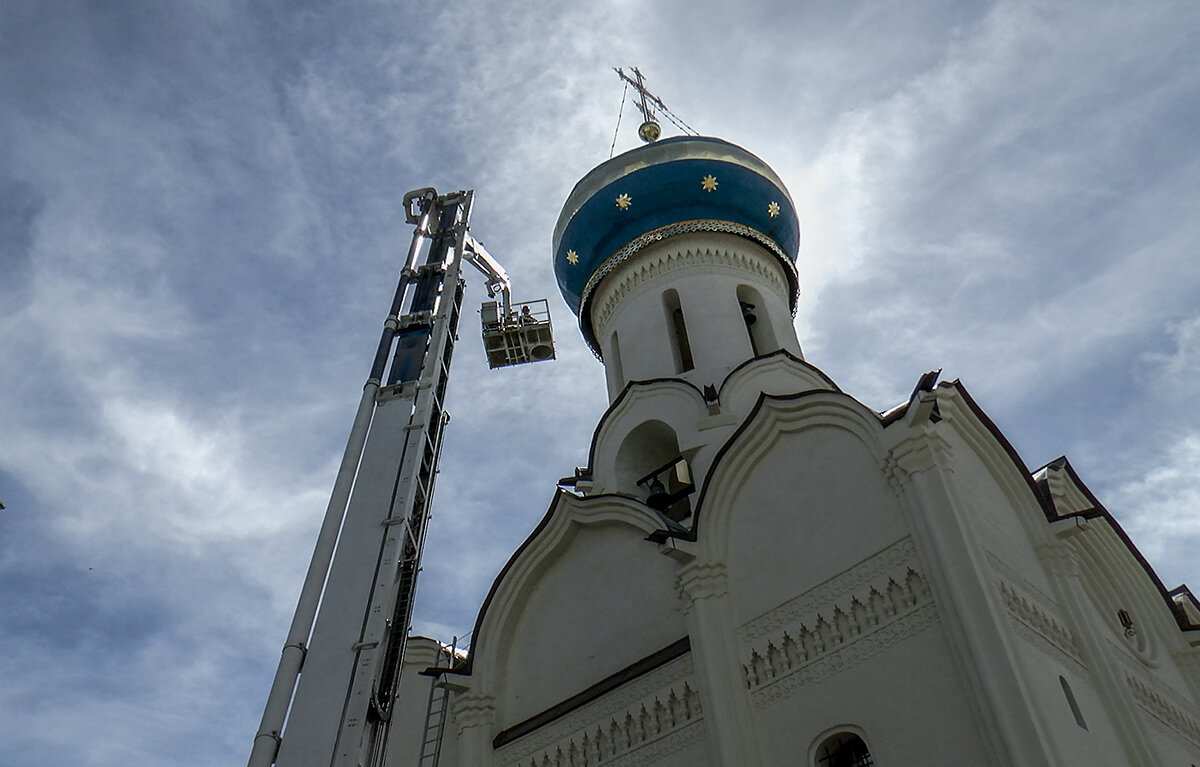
(676, 403)
(998, 457)
(555, 574)
(777, 373)
(772, 418)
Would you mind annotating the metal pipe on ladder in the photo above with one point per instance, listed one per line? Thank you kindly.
(266, 741)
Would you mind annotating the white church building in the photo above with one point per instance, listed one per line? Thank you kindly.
(757, 569)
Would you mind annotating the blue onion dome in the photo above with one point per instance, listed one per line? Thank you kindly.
(673, 186)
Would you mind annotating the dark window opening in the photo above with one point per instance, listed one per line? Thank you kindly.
(680, 344)
(844, 749)
(758, 325)
(749, 317)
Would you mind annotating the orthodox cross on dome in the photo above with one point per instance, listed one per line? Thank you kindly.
(650, 130)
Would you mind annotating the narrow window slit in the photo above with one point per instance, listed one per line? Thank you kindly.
(1072, 703)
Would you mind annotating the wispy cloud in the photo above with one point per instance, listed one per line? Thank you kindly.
(200, 225)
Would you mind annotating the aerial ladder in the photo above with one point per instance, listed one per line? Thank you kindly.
(334, 692)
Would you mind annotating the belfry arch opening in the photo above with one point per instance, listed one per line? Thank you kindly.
(758, 324)
(649, 466)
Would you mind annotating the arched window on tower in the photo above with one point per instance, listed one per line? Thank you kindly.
(612, 365)
(843, 749)
(680, 346)
(758, 325)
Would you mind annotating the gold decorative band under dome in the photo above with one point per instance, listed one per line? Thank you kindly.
(671, 230)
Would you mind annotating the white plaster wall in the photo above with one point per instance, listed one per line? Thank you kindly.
(654, 718)
(1114, 580)
(605, 601)
(693, 755)
(906, 700)
(806, 522)
(1009, 528)
(1171, 748)
(1073, 745)
(815, 504)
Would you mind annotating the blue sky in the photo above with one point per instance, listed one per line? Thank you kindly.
(200, 225)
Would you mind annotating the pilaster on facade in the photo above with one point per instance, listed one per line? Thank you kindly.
(731, 728)
(920, 468)
(475, 717)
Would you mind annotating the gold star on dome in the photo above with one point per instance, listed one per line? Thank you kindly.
(709, 182)
(773, 209)
(572, 257)
(624, 201)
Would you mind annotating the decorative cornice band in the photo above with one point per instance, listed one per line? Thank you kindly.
(891, 562)
(837, 624)
(613, 682)
(1155, 704)
(638, 723)
(1040, 628)
(474, 710)
(909, 624)
(1006, 571)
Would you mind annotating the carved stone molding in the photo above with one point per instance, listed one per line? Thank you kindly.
(855, 651)
(1188, 661)
(837, 624)
(636, 724)
(701, 580)
(923, 450)
(1158, 703)
(474, 710)
(1009, 573)
(1060, 558)
(1041, 628)
(855, 582)
(652, 752)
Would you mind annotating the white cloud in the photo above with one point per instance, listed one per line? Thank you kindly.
(1001, 189)
(1162, 507)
